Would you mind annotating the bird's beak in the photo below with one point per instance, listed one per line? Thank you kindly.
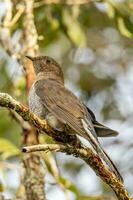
(30, 57)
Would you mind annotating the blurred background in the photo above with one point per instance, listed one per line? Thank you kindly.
(93, 42)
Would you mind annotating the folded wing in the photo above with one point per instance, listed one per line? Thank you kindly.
(63, 104)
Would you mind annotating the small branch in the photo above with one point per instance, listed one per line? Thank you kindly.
(24, 125)
(102, 197)
(5, 30)
(63, 2)
(30, 33)
(12, 21)
(83, 153)
(46, 148)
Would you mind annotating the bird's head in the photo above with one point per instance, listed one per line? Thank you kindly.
(46, 66)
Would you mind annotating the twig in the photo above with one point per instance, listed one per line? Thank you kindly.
(101, 197)
(85, 154)
(9, 21)
(63, 2)
(5, 30)
(46, 147)
(24, 125)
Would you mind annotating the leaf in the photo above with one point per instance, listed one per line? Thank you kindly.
(111, 11)
(70, 186)
(124, 25)
(2, 188)
(8, 149)
(74, 29)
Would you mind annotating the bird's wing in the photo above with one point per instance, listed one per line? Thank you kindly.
(100, 129)
(62, 103)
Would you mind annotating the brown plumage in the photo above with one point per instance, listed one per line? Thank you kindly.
(50, 99)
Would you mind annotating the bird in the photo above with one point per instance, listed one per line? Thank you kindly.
(49, 99)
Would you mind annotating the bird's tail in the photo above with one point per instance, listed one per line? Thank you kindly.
(103, 131)
(113, 167)
(97, 147)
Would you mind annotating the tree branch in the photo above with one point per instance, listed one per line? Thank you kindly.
(77, 150)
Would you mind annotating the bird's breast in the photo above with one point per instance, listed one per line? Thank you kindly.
(35, 103)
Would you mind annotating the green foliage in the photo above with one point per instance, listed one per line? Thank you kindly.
(6, 83)
(9, 129)
(122, 13)
(8, 149)
(74, 29)
(1, 187)
(70, 186)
